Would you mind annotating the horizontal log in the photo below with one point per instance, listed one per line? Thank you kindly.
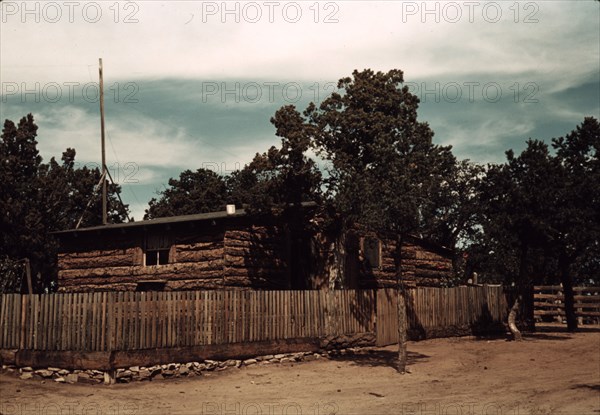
(194, 284)
(150, 357)
(199, 256)
(548, 305)
(8, 356)
(97, 262)
(206, 276)
(562, 313)
(427, 273)
(587, 289)
(254, 252)
(88, 288)
(249, 261)
(64, 359)
(426, 264)
(199, 246)
(422, 254)
(253, 272)
(245, 243)
(97, 253)
(147, 271)
(256, 233)
(548, 296)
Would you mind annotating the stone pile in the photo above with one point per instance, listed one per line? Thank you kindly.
(166, 371)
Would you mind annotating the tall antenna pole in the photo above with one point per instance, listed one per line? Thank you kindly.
(104, 215)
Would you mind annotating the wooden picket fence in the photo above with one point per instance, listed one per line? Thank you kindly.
(107, 321)
(447, 311)
(549, 300)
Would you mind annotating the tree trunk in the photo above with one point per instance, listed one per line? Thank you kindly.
(512, 319)
(402, 320)
(567, 284)
(522, 281)
(335, 264)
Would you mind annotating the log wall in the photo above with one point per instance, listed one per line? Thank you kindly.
(219, 257)
(226, 255)
(421, 266)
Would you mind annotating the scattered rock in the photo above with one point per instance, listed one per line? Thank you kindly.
(184, 371)
(44, 373)
(144, 374)
(85, 377)
(72, 378)
(26, 375)
(60, 379)
(63, 372)
(124, 373)
(249, 362)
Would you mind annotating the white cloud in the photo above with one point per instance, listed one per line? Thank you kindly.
(173, 41)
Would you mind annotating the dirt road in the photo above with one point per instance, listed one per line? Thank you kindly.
(551, 372)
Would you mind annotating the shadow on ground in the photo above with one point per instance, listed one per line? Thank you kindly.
(562, 328)
(585, 386)
(379, 358)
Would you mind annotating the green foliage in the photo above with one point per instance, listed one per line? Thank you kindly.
(540, 212)
(201, 191)
(37, 199)
(385, 169)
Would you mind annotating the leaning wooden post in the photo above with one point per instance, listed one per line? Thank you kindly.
(28, 275)
(401, 307)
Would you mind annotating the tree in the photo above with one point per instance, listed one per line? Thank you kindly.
(37, 199)
(517, 199)
(384, 165)
(575, 221)
(540, 213)
(201, 191)
(451, 217)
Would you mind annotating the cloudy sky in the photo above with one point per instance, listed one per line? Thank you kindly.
(193, 84)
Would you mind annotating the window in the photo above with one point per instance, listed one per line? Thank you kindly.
(371, 250)
(156, 249)
(157, 257)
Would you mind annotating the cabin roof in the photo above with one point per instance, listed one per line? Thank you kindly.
(199, 217)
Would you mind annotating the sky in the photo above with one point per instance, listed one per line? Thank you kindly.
(191, 84)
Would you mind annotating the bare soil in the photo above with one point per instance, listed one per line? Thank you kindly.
(550, 372)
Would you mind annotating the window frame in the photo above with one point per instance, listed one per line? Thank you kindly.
(375, 251)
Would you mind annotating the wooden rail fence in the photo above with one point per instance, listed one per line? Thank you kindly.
(549, 300)
(107, 321)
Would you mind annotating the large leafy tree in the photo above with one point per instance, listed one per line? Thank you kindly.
(540, 214)
(516, 201)
(38, 198)
(574, 227)
(384, 165)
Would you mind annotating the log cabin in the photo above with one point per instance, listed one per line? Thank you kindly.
(222, 250)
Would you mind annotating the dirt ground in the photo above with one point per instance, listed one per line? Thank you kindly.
(550, 372)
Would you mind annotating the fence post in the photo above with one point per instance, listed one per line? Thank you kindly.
(23, 329)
